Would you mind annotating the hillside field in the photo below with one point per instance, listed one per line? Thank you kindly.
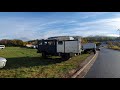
(27, 63)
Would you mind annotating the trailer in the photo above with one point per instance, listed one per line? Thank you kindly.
(89, 47)
(64, 46)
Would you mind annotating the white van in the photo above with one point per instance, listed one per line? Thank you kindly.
(2, 46)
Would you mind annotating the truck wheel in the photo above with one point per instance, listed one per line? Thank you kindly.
(94, 51)
(65, 56)
(85, 51)
(44, 55)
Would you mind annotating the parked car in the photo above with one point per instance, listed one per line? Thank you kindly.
(2, 46)
(31, 46)
(2, 62)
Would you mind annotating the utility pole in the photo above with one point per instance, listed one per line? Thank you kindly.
(119, 33)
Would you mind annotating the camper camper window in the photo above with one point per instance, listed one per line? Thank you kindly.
(60, 42)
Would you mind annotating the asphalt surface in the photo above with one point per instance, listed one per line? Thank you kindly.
(107, 65)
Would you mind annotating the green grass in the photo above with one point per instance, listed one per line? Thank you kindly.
(114, 47)
(27, 63)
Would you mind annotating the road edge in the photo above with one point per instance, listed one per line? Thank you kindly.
(82, 72)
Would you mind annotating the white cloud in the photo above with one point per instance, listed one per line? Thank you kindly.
(37, 28)
(102, 26)
(113, 35)
(92, 14)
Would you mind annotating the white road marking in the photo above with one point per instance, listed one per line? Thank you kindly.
(76, 74)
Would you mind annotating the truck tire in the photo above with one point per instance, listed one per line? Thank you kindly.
(65, 56)
(85, 51)
(44, 55)
(94, 51)
(68, 56)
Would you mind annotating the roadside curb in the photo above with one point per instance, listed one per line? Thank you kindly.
(83, 71)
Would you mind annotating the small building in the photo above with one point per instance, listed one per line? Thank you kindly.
(31, 46)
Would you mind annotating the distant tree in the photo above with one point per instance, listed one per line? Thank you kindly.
(84, 40)
(34, 42)
(12, 42)
(25, 43)
(110, 44)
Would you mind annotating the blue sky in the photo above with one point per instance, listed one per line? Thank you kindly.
(38, 25)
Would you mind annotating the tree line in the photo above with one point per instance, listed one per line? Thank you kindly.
(14, 42)
(99, 39)
(95, 39)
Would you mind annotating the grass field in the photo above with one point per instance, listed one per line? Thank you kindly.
(115, 47)
(27, 63)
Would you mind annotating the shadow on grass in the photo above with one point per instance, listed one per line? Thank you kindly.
(13, 63)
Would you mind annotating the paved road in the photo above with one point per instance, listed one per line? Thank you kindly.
(107, 65)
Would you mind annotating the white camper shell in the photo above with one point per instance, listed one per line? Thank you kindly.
(69, 46)
(89, 47)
